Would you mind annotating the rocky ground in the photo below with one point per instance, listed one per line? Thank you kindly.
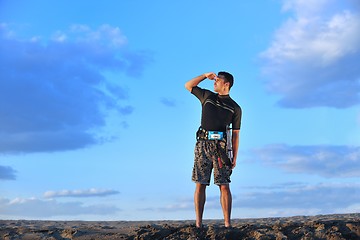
(340, 226)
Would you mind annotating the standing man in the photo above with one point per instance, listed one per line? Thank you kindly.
(218, 112)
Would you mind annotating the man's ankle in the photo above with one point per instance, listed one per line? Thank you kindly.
(227, 224)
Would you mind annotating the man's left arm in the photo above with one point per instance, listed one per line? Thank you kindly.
(235, 145)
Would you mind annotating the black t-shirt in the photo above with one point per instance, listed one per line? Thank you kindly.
(218, 111)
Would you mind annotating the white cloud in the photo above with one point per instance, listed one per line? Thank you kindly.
(313, 58)
(93, 192)
(54, 93)
(38, 208)
(106, 35)
(324, 160)
(305, 8)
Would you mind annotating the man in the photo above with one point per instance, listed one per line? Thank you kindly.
(218, 111)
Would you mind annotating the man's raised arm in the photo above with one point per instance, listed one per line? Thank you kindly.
(196, 80)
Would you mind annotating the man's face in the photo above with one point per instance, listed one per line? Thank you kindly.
(219, 83)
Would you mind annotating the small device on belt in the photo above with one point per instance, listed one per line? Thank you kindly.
(215, 135)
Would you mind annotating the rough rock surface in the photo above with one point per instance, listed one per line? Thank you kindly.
(330, 227)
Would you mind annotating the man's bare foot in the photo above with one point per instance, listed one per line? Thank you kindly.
(199, 225)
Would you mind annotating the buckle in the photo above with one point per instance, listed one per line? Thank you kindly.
(215, 135)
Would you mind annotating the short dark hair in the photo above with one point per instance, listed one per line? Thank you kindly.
(228, 78)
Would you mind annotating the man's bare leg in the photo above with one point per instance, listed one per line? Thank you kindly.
(226, 203)
(199, 200)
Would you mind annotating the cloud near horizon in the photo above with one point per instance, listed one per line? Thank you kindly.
(54, 93)
(313, 58)
(324, 160)
(286, 199)
(320, 196)
(93, 192)
(38, 208)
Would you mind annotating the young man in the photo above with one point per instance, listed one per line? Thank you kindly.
(218, 111)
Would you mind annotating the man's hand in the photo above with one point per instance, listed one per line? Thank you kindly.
(210, 75)
(233, 164)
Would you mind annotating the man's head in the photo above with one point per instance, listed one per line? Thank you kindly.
(228, 78)
(223, 83)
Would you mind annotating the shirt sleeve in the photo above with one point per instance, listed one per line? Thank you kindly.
(236, 123)
(200, 93)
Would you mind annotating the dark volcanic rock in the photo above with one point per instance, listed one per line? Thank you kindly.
(329, 227)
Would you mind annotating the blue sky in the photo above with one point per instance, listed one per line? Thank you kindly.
(96, 124)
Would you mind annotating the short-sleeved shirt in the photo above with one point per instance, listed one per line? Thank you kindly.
(218, 111)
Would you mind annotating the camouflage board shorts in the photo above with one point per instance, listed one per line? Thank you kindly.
(205, 160)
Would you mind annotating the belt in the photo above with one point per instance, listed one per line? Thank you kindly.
(220, 140)
(203, 134)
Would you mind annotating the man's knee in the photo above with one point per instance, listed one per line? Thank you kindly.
(224, 188)
(200, 188)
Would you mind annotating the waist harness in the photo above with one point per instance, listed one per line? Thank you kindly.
(220, 140)
(203, 134)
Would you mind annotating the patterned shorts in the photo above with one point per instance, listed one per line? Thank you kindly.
(205, 160)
